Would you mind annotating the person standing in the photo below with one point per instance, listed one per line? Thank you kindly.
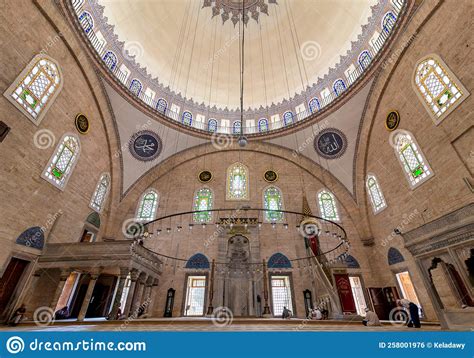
(412, 308)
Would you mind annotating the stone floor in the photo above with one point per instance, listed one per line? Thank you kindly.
(208, 324)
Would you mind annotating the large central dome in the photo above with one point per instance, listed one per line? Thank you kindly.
(193, 46)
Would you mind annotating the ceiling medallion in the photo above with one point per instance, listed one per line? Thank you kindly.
(392, 120)
(232, 9)
(205, 176)
(145, 146)
(270, 176)
(82, 123)
(330, 143)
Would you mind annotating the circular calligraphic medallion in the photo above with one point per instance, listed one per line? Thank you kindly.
(205, 176)
(392, 120)
(270, 176)
(82, 123)
(330, 143)
(145, 146)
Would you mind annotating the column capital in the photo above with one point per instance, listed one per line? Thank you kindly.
(64, 274)
(134, 274)
(149, 281)
(124, 271)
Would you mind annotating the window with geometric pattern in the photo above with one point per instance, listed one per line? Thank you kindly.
(262, 125)
(60, 166)
(375, 194)
(411, 158)
(272, 200)
(288, 118)
(364, 59)
(212, 125)
(187, 118)
(237, 182)
(339, 86)
(202, 202)
(100, 193)
(147, 206)
(110, 60)
(327, 205)
(437, 87)
(314, 105)
(35, 89)
(161, 105)
(135, 87)
(236, 127)
(87, 22)
(388, 21)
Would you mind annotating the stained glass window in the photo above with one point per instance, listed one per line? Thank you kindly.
(278, 260)
(327, 205)
(203, 201)
(61, 164)
(187, 118)
(236, 127)
(272, 200)
(87, 22)
(161, 105)
(197, 261)
(375, 194)
(413, 162)
(388, 21)
(364, 59)
(212, 125)
(288, 118)
(438, 88)
(136, 87)
(262, 125)
(110, 60)
(237, 182)
(339, 87)
(314, 105)
(36, 87)
(100, 193)
(148, 205)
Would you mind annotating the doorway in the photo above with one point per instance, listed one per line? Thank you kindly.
(9, 281)
(407, 289)
(195, 296)
(281, 294)
(358, 294)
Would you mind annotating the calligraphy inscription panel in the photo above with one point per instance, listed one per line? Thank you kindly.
(331, 143)
(145, 146)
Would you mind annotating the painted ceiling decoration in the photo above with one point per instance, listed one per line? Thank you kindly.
(330, 143)
(145, 145)
(232, 9)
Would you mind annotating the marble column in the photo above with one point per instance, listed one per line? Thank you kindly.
(59, 289)
(151, 299)
(87, 298)
(134, 273)
(137, 299)
(118, 296)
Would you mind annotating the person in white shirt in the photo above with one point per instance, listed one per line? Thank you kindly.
(316, 314)
(371, 318)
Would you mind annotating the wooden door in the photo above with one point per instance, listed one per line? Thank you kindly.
(9, 281)
(344, 290)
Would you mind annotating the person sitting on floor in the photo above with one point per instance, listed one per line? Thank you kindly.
(18, 316)
(63, 313)
(316, 314)
(412, 308)
(371, 318)
(286, 313)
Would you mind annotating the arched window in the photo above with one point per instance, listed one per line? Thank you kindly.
(262, 125)
(197, 261)
(110, 60)
(87, 22)
(394, 256)
(62, 162)
(375, 194)
(212, 125)
(437, 87)
(187, 118)
(272, 200)
(364, 59)
(161, 105)
(411, 158)
(237, 182)
(100, 193)
(288, 118)
(388, 21)
(327, 205)
(147, 206)
(35, 89)
(314, 105)
(203, 201)
(236, 127)
(351, 262)
(278, 260)
(136, 87)
(339, 86)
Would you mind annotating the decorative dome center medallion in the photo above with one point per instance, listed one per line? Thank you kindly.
(232, 9)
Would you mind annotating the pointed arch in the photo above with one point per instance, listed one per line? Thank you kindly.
(273, 200)
(32, 237)
(147, 205)
(394, 256)
(278, 260)
(327, 205)
(36, 87)
(197, 261)
(100, 194)
(237, 182)
(203, 200)
(351, 262)
(62, 162)
(375, 194)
